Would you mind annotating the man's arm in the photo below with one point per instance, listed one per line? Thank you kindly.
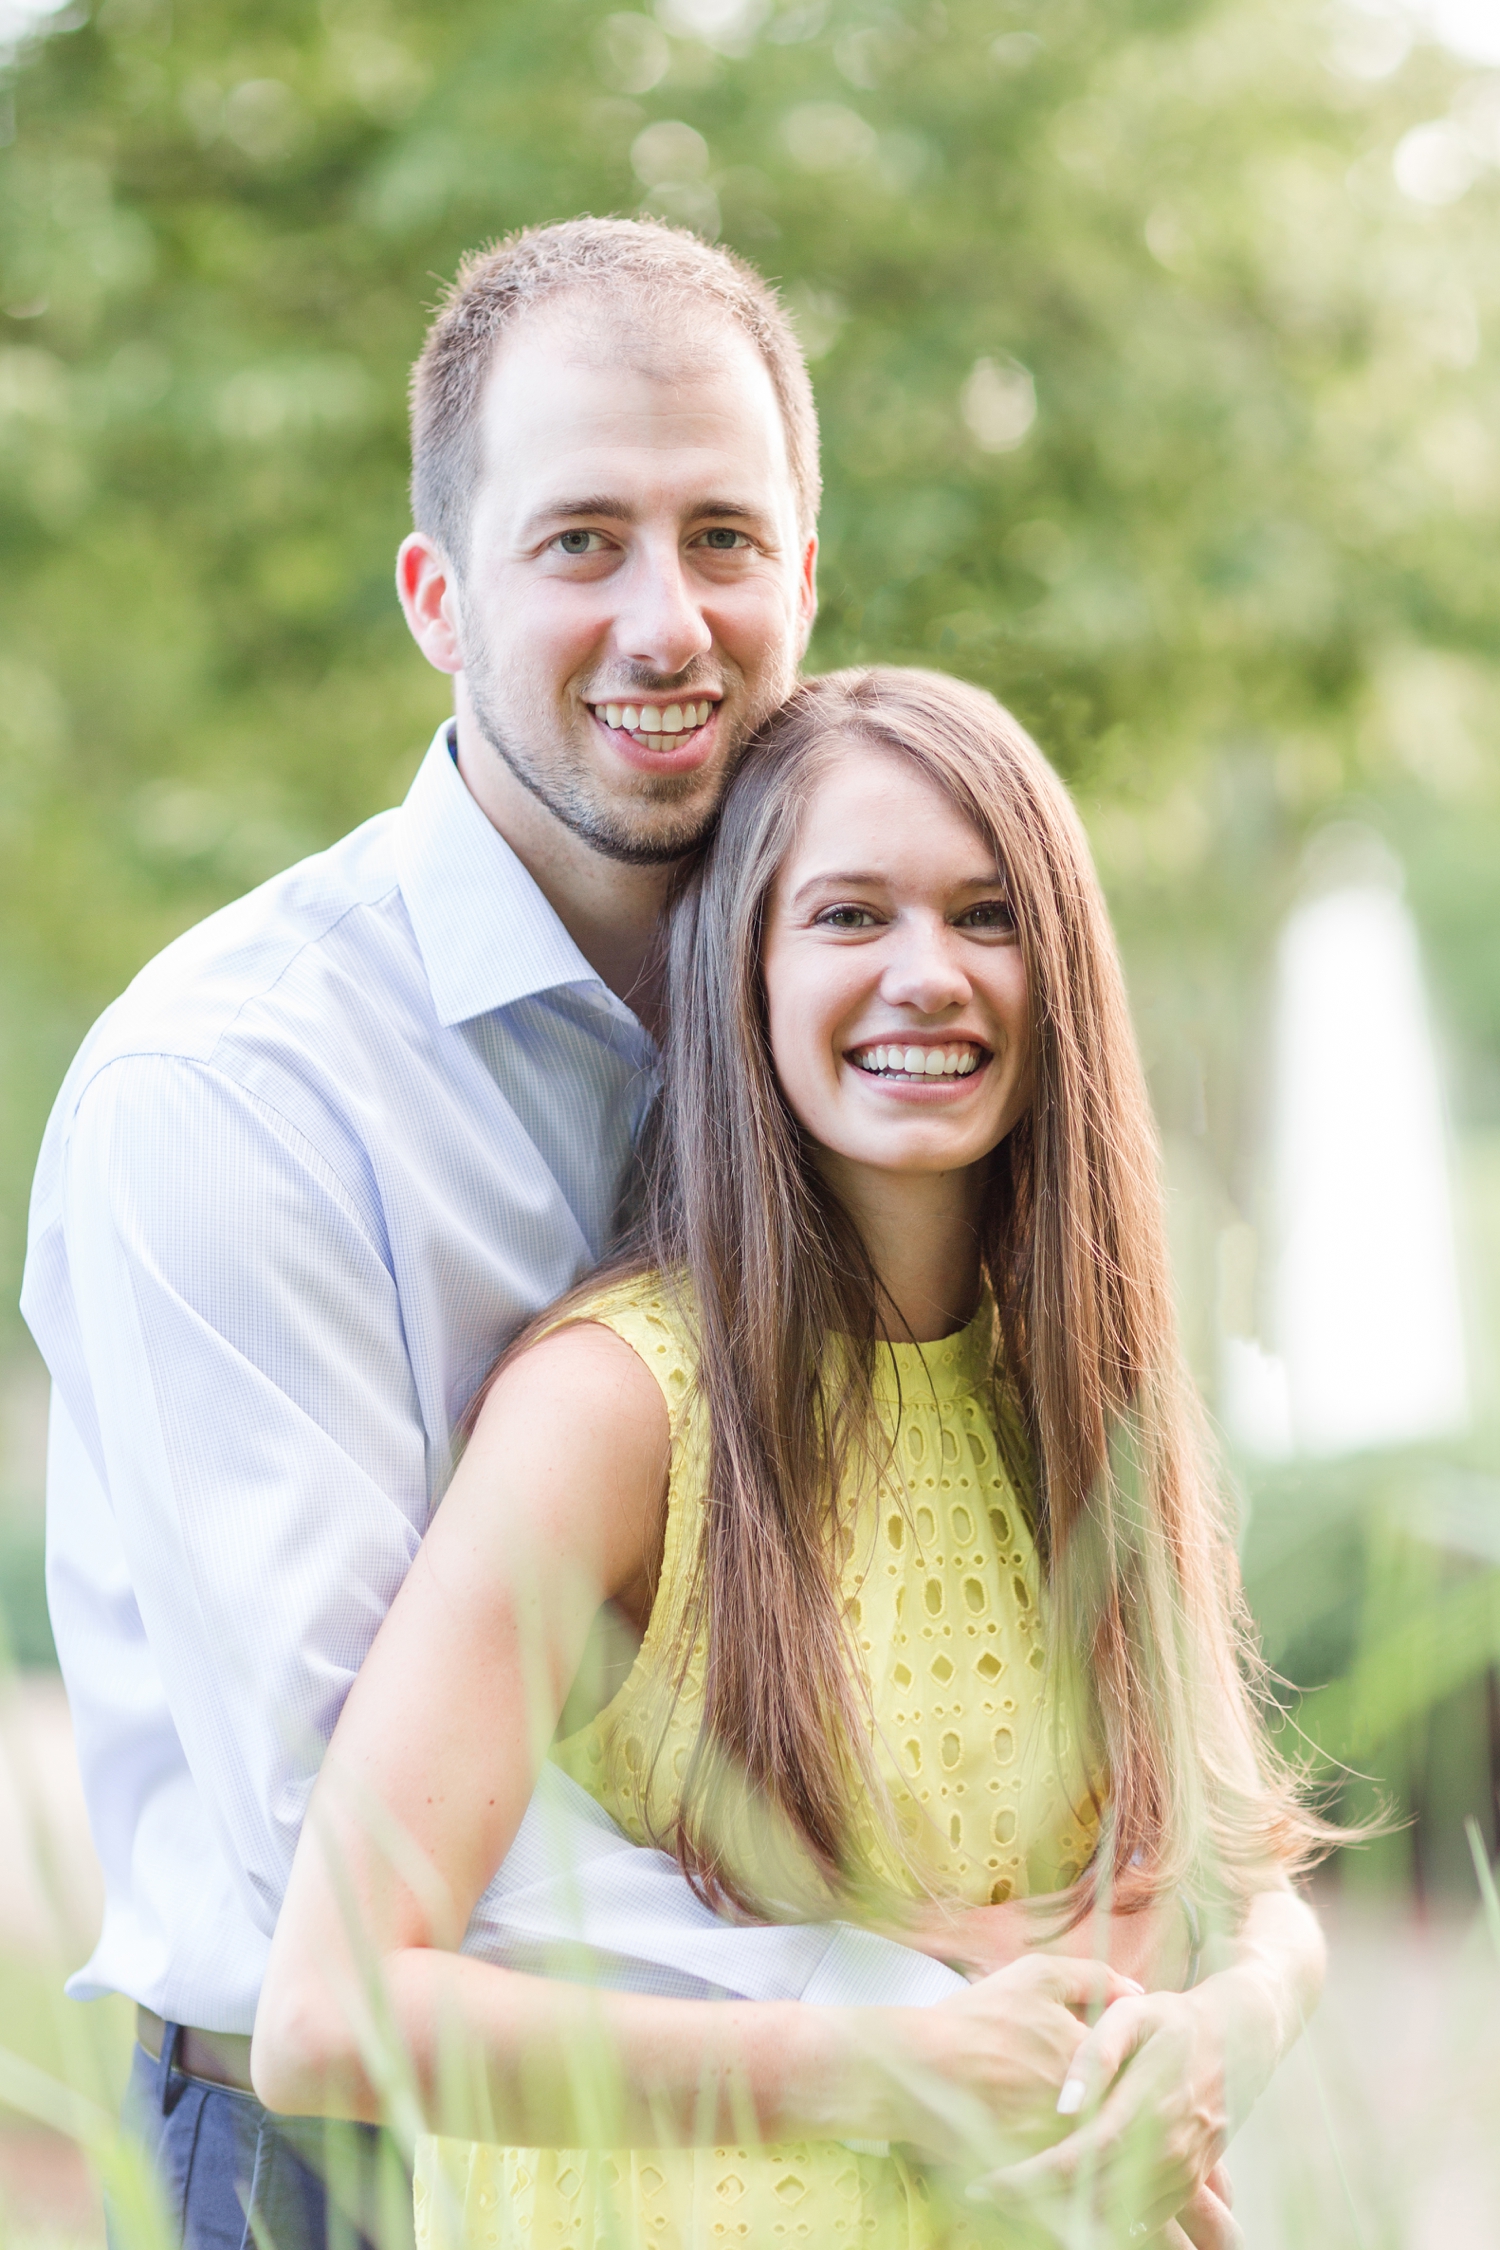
(236, 1365)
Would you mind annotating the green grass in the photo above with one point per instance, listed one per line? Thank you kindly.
(86, 2047)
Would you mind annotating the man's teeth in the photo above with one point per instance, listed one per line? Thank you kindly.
(651, 718)
(919, 1062)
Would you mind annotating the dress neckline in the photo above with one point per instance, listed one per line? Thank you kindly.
(950, 1367)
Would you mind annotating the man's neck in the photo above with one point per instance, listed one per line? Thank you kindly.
(609, 908)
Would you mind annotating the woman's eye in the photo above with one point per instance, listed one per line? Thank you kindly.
(578, 542)
(990, 914)
(722, 539)
(845, 918)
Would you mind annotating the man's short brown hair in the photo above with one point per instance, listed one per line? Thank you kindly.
(635, 260)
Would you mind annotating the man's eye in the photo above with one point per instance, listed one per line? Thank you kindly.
(578, 542)
(723, 539)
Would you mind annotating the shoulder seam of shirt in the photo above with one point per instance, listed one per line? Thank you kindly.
(264, 991)
(292, 1134)
(142, 1052)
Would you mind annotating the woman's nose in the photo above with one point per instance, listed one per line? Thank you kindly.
(923, 970)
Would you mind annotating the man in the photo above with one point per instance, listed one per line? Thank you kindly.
(337, 1144)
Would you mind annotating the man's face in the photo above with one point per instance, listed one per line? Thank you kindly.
(637, 596)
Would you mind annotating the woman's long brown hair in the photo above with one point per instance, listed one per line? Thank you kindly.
(1108, 1443)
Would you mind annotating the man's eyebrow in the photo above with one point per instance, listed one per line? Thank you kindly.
(568, 511)
(611, 506)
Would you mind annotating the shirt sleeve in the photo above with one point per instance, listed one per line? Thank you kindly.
(241, 1378)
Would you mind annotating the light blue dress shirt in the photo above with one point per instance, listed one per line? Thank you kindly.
(303, 1180)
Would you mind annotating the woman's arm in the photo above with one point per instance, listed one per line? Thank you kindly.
(559, 1506)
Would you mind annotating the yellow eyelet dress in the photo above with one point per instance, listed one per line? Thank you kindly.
(943, 1596)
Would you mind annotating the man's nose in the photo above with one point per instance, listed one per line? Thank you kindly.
(661, 625)
(923, 970)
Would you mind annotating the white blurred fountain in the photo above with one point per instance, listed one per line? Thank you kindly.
(1363, 1304)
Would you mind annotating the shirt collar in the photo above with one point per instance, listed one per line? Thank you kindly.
(485, 929)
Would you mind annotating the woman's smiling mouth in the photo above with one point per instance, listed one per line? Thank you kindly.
(910, 1061)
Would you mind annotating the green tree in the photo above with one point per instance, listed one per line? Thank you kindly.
(1147, 340)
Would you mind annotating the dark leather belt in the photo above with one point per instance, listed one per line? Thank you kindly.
(222, 2057)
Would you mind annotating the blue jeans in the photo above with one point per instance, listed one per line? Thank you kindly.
(235, 2177)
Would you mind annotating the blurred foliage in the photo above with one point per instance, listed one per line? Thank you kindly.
(25, 1630)
(1148, 341)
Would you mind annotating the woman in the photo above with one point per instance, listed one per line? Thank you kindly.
(882, 1444)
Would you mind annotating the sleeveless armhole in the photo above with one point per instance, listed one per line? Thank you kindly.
(645, 1316)
(648, 1317)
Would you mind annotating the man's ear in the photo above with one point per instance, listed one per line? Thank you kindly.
(428, 589)
(807, 592)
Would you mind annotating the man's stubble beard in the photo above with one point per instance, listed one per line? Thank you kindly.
(598, 824)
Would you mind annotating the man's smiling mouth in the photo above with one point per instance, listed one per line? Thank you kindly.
(656, 726)
(958, 1058)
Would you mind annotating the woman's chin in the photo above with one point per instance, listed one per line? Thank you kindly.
(916, 1153)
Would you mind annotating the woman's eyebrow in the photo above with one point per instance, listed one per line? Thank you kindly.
(837, 879)
(872, 879)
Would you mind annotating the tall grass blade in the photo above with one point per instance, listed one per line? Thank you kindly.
(139, 2221)
(1357, 2232)
(1485, 1873)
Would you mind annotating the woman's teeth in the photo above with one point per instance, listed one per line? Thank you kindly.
(655, 721)
(918, 1062)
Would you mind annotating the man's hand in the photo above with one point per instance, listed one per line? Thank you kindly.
(1007, 2044)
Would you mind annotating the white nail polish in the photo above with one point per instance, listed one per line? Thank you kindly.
(1070, 2100)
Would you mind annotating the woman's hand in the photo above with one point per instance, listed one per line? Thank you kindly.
(1206, 2220)
(1159, 2082)
(1204, 2223)
(997, 2055)
(1163, 2079)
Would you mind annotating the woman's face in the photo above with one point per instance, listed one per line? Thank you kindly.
(895, 987)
